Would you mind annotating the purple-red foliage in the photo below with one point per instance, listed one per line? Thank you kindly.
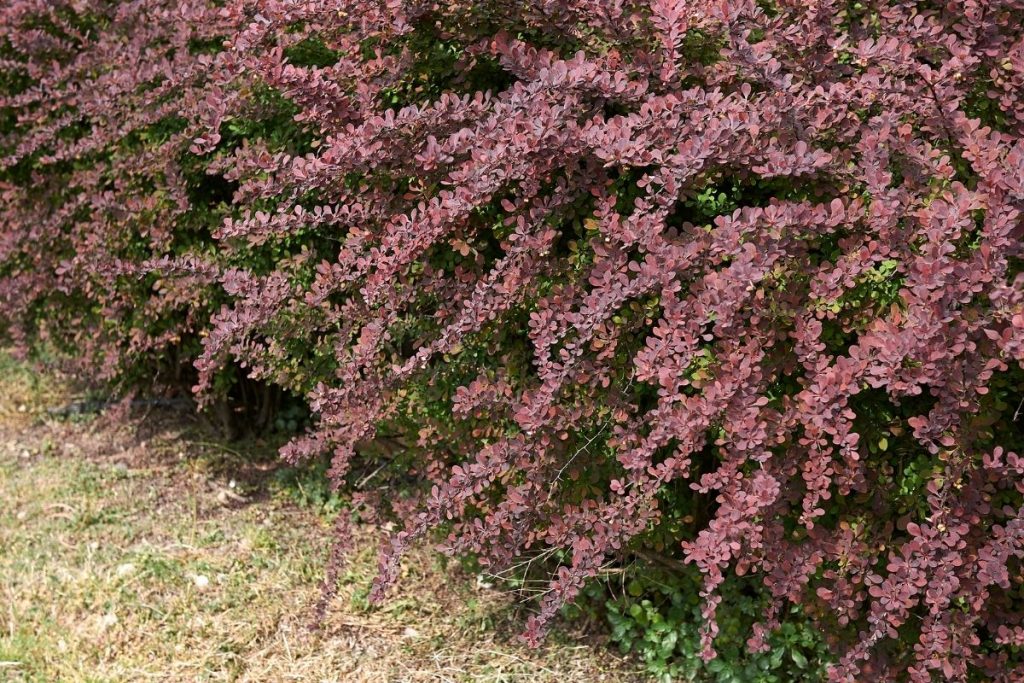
(99, 101)
(536, 244)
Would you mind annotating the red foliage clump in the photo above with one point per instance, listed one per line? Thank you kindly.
(498, 232)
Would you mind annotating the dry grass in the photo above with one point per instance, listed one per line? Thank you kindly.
(125, 555)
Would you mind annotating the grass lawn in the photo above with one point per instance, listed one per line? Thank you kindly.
(147, 552)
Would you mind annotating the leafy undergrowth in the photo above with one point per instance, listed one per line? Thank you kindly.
(148, 552)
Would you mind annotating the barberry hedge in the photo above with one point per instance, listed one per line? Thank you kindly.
(733, 283)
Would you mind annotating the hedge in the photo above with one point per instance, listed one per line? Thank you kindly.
(732, 284)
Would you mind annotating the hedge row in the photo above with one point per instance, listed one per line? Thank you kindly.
(734, 283)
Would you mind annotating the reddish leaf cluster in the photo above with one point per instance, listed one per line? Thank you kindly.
(98, 102)
(499, 231)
